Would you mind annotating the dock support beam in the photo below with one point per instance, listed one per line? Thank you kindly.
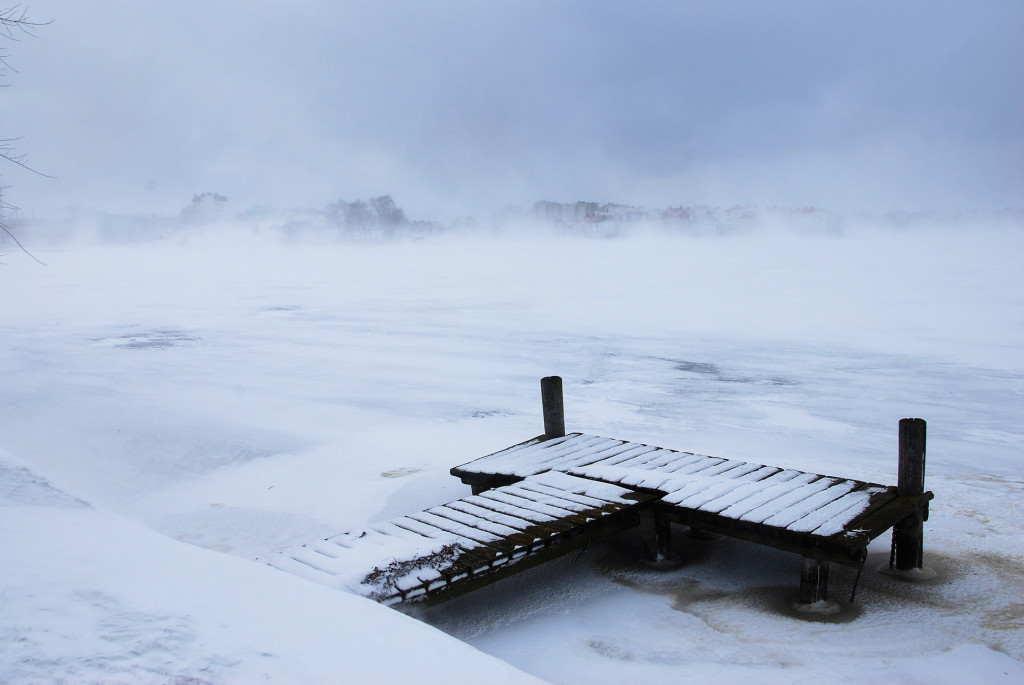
(554, 414)
(908, 534)
(662, 538)
(813, 581)
(814, 590)
(656, 535)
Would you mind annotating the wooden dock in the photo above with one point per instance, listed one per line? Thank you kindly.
(556, 493)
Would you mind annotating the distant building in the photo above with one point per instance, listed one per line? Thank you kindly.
(565, 213)
(550, 212)
(205, 207)
(681, 215)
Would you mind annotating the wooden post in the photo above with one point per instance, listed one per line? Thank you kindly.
(813, 581)
(908, 534)
(554, 414)
(662, 537)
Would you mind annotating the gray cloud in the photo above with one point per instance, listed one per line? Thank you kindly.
(457, 107)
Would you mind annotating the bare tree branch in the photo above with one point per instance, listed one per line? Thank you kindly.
(7, 152)
(18, 243)
(14, 21)
(14, 25)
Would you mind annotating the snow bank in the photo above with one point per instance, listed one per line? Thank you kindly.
(87, 596)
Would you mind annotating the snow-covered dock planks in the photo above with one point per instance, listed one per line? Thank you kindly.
(823, 517)
(540, 455)
(549, 495)
(471, 542)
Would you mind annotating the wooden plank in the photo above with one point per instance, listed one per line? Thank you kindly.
(504, 532)
(572, 503)
(770, 490)
(480, 537)
(305, 555)
(685, 460)
(699, 492)
(651, 480)
(568, 497)
(657, 458)
(631, 452)
(490, 464)
(798, 510)
(470, 552)
(830, 518)
(652, 483)
(799, 494)
(470, 547)
(746, 487)
(427, 531)
(730, 469)
(327, 548)
(541, 456)
(698, 466)
(578, 516)
(389, 528)
(612, 450)
(522, 501)
(520, 520)
(570, 455)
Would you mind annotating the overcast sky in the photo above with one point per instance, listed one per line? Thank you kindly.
(466, 106)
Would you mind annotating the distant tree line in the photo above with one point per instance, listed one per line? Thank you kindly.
(378, 214)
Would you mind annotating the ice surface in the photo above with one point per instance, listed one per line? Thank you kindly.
(240, 394)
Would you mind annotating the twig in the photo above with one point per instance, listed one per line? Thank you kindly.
(18, 243)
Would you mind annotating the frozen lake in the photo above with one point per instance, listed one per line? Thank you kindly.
(244, 395)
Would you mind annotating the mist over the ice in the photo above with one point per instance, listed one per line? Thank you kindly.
(302, 258)
(461, 108)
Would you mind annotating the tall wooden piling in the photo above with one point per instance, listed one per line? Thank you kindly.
(554, 413)
(908, 534)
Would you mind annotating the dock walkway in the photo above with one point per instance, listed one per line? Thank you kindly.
(556, 493)
(825, 517)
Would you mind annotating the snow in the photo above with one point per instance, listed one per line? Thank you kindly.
(89, 596)
(173, 412)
